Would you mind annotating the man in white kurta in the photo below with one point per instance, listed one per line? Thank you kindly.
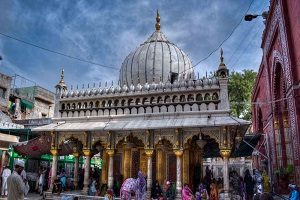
(15, 184)
(5, 174)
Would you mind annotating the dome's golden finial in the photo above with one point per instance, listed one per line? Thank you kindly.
(157, 25)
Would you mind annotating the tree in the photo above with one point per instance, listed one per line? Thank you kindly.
(240, 89)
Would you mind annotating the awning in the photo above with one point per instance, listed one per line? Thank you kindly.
(40, 146)
(26, 104)
(6, 140)
(35, 147)
(244, 149)
(9, 138)
(145, 123)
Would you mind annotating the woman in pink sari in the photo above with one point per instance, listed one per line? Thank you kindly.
(187, 194)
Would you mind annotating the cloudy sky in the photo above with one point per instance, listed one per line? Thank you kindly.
(106, 31)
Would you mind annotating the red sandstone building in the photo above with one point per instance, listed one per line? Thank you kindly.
(276, 93)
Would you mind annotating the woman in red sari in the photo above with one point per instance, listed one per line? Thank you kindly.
(214, 194)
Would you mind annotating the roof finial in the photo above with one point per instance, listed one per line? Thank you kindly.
(222, 59)
(62, 76)
(157, 25)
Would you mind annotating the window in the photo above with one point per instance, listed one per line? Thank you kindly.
(44, 115)
(2, 92)
(174, 77)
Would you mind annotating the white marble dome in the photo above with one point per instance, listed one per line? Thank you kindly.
(156, 60)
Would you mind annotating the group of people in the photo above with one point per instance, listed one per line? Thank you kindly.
(168, 191)
(15, 184)
(201, 193)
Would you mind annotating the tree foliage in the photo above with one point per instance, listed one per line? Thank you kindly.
(240, 89)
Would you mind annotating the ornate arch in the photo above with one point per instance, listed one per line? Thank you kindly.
(168, 136)
(102, 138)
(213, 133)
(277, 61)
(133, 135)
(71, 136)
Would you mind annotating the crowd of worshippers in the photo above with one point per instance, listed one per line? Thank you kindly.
(250, 186)
(247, 187)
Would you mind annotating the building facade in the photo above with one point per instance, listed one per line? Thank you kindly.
(160, 119)
(276, 103)
(32, 103)
(5, 85)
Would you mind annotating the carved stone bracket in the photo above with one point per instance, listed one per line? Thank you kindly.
(178, 152)
(225, 153)
(66, 136)
(149, 152)
(76, 154)
(110, 152)
(87, 152)
(169, 136)
(54, 152)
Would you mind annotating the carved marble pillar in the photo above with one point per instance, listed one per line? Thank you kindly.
(127, 160)
(225, 153)
(104, 168)
(76, 169)
(178, 153)
(186, 165)
(87, 153)
(149, 153)
(54, 153)
(110, 153)
(160, 165)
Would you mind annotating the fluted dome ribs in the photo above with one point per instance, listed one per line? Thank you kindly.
(155, 60)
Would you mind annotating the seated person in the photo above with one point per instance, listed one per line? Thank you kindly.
(57, 187)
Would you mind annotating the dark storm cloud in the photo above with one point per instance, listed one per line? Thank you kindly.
(107, 31)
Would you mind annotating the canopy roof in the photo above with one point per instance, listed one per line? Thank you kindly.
(144, 124)
(39, 146)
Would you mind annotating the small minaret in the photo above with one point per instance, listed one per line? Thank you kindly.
(223, 74)
(61, 87)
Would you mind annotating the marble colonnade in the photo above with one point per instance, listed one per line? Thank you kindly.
(108, 153)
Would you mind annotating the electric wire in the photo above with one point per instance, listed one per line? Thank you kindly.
(247, 34)
(263, 102)
(246, 48)
(114, 68)
(56, 52)
(231, 33)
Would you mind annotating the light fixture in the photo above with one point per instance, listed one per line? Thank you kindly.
(249, 17)
(200, 142)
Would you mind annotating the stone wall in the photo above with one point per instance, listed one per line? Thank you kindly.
(5, 84)
(42, 109)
